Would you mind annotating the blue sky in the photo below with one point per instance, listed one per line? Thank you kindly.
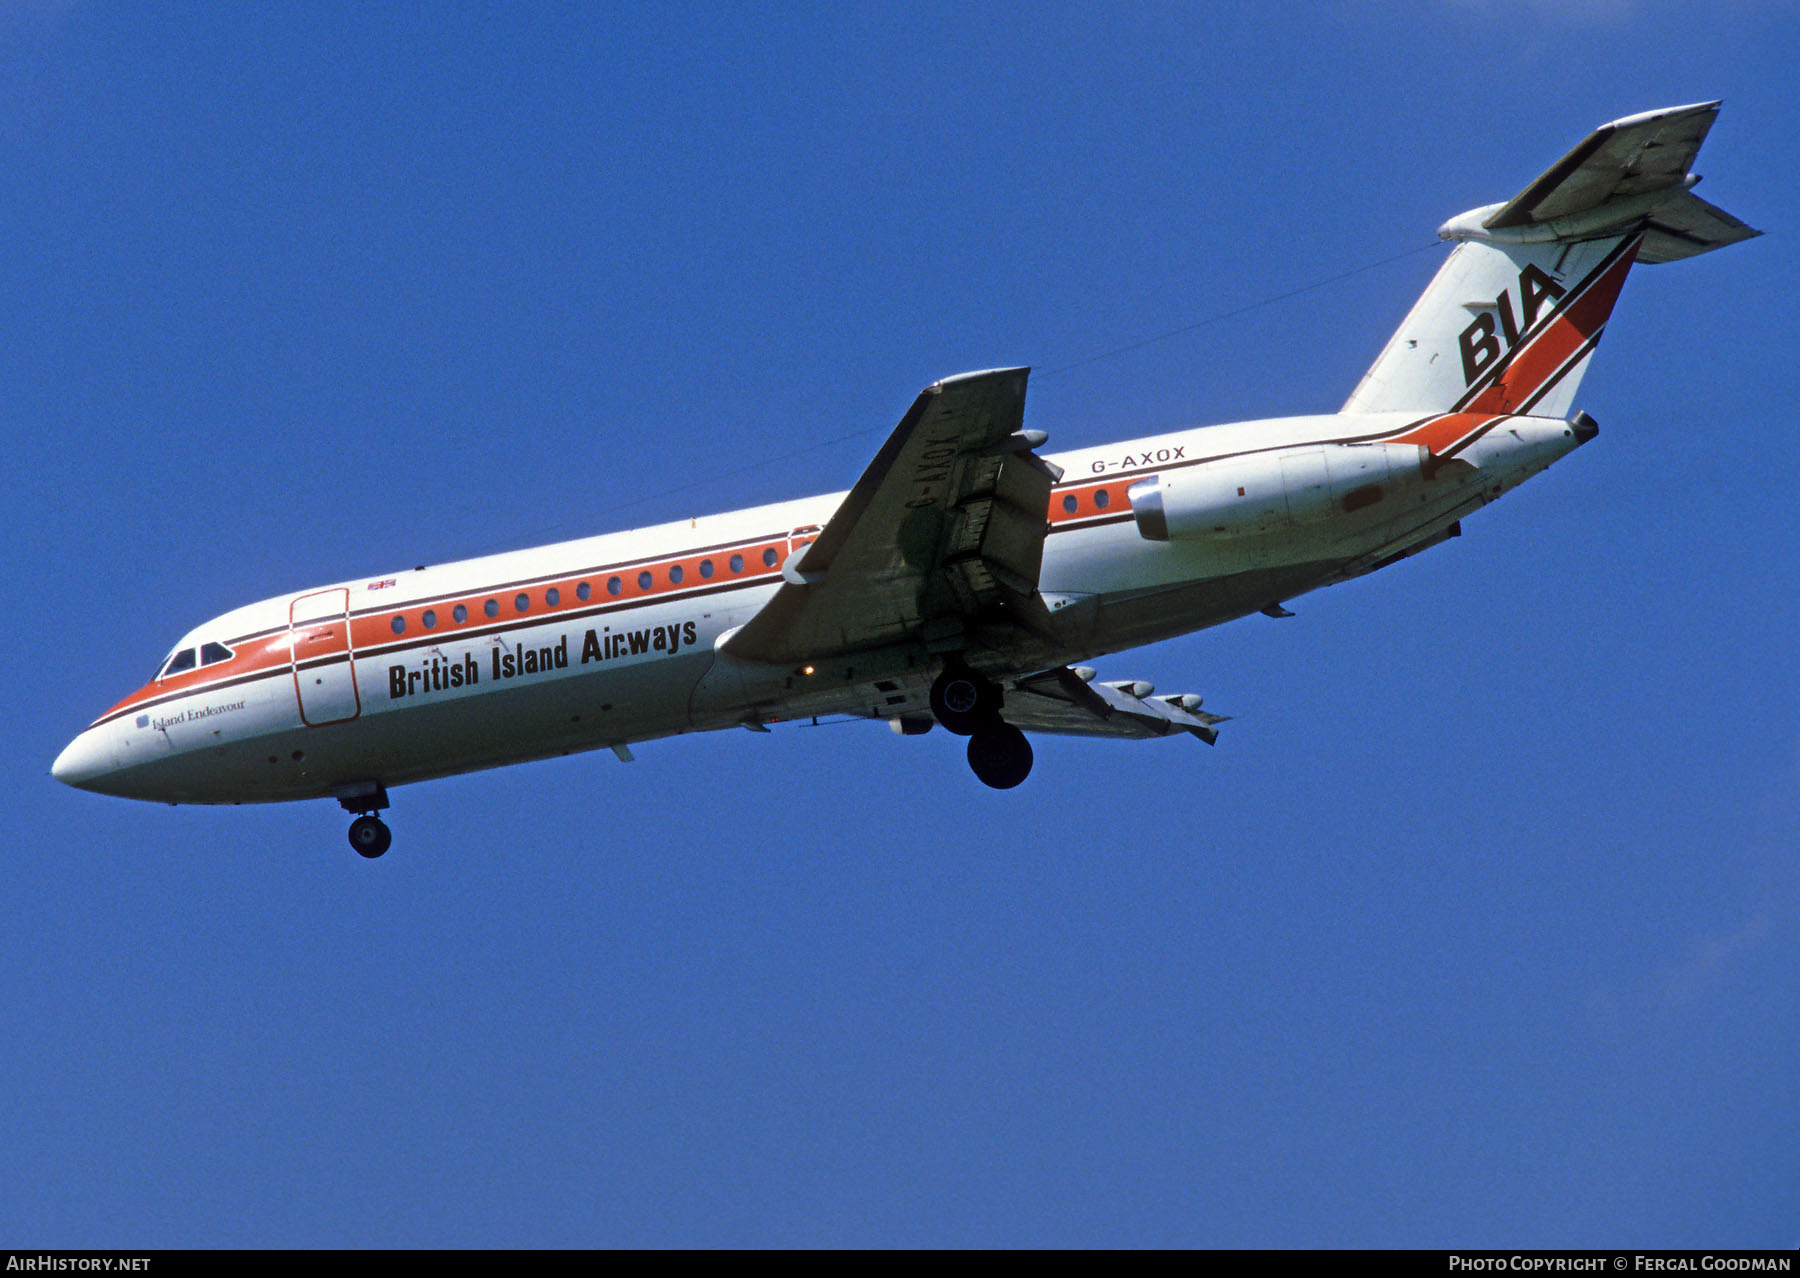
(1478, 927)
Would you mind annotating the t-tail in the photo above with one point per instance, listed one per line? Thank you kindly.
(1511, 319)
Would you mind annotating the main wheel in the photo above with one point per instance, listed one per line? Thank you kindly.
(370, 836)
(1000, 756)
(962, 700)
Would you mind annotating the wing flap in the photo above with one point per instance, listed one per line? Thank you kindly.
(1061, 701)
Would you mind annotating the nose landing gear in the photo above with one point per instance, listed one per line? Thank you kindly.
(369, 834)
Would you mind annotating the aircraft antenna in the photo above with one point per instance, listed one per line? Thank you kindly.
(1234, 312)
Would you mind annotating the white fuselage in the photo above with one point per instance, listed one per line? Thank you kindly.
(610, 640)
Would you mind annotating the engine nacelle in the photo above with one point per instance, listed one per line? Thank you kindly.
(1273, 492)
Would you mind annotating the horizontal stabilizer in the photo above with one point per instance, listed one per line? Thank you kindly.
(1634, 156)
(1687, 226)
(1627, 176)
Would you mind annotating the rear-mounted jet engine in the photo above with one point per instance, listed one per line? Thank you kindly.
(1275, 491)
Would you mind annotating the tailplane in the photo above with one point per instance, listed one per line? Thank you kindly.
(1510, 320)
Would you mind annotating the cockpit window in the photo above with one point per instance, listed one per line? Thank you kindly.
(184, 659)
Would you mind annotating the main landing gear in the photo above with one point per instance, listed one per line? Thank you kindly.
(963, 701)
(369, 834)
(1000, 755)
(969, 705)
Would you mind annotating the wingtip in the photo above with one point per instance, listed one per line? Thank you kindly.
(1666, 113)
(945, 383)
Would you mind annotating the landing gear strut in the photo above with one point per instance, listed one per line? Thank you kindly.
(369, 834)
(1000, 755)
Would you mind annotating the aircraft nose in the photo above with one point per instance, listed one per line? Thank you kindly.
(83, 761)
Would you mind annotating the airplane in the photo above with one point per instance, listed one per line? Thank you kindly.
(964, 580)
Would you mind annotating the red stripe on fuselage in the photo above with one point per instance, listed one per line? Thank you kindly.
(1443, 434)
(372, 631)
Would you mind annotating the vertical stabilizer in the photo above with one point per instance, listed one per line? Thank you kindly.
(1511, 319)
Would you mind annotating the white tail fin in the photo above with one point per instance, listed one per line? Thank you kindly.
(1509, 321)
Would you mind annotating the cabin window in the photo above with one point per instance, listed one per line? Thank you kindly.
(460, 613)
(429, 620)
(552, 597)
(211, 654)
(644, 581)
(769, 557)
(1070, 503)
(399, 625)
(675, 575)
(177, 662)
(584, 592)
(614, 585)
(522, 602)
(737, 563)
(706, 568)
(1102, 499)
(491, 607)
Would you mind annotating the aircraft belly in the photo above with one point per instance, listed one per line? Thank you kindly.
(1129, 619)
(1148, 591)
(582, 711)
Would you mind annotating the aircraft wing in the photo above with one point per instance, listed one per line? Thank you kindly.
(1068, 701)
(944, 530)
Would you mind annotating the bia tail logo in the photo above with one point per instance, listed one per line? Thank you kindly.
(1496, 320)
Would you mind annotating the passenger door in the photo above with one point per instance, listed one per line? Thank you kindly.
(323, 664)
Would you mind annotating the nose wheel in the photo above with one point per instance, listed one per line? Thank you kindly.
(370, 836)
